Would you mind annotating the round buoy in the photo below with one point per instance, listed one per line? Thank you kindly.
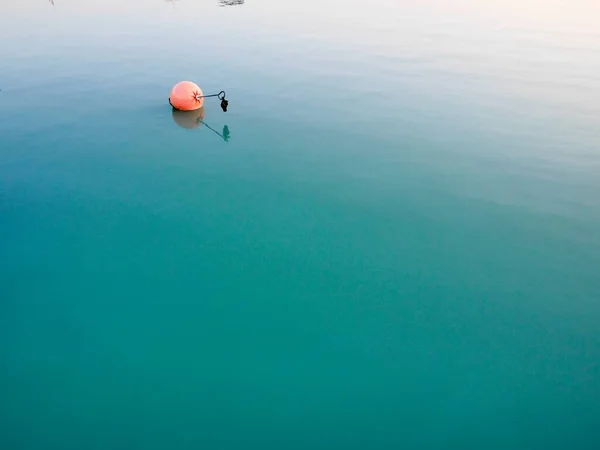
(188, 119)
(186, 96)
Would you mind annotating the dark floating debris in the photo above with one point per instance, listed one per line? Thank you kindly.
(231, 2)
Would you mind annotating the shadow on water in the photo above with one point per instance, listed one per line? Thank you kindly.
(191, 120)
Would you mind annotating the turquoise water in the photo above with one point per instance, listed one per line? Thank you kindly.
(398, 245)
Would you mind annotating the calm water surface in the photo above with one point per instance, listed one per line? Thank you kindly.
(397, 245)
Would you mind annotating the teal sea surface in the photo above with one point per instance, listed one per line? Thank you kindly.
(391, 240)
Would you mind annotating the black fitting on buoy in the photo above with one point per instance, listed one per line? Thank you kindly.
(224, 101)
(224, 104)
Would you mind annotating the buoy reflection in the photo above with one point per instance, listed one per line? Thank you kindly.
(190, 120)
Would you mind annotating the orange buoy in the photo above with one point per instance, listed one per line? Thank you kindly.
(186, 96)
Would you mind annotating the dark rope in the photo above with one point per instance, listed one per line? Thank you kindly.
(220, 96)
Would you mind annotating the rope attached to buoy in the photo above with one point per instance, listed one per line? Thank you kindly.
(221, 96)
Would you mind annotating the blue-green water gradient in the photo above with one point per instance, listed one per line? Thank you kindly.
(398, 245)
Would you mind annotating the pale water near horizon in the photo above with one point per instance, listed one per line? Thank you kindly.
(397, 245)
